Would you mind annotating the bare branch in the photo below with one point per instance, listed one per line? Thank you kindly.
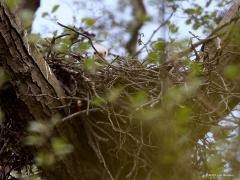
(153, 34)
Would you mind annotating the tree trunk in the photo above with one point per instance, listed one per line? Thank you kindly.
(33, 93)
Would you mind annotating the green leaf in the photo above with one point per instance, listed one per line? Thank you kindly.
(64, 47)
(55, 8)
(83, 47)
(96, 101)
(173, 28)
(182, 118)
(158, 45)
(198, 10)
(34, 140)
(105, 34)
(44, 14)
(189, 11)
(44, 158)
(183, 114)
(67, 41)
(113, 94)
(138, 99)
(89, 21)
(196, 26)
(196, 69)
(188, 21)
(148, 114)
(38, 127)
(27, 18)
(153, 56)
(145, 18)
(89, 64)
(60, 147)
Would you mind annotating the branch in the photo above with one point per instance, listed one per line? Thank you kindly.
(153, 34)
(217, 98)
(86, 36)
(139, 13)
(76, 114)
(211, 37)
(28, 71)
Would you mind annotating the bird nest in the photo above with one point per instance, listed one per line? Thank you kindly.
(121, 93)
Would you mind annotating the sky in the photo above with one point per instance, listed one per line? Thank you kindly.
(66, 11)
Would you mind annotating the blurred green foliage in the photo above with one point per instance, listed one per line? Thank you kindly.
(167, 116)
(41, 132)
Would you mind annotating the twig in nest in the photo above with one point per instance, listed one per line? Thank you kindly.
(76, 114)
(92, 84)
(94, 144)
(86, 36)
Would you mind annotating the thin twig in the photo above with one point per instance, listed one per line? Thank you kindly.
(89, 39)
(76, 114)
(153, 34)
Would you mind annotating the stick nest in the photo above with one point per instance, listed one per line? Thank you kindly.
(107, 96)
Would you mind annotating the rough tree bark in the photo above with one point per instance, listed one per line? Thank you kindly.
(30, 76)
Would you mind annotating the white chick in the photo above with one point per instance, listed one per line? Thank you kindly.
(102, 51)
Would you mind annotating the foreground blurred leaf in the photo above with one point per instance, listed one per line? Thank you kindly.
(60, 147)
(83, 47)
(44, 14)
(44, 158)
(34, 140)
(89, 64)
(138, 99)
(232, 72)
(27, 18)
(113, 94)
(38, 127)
